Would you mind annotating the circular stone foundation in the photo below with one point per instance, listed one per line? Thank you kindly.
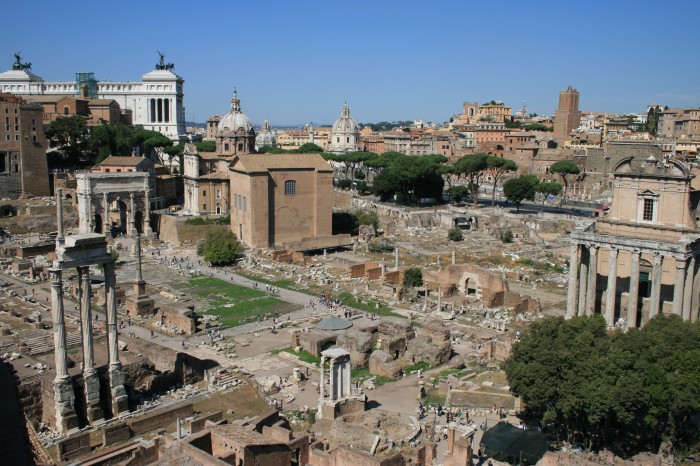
(360, 429)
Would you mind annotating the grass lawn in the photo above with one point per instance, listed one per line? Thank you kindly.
(236, 304)
(360, 375)
(303, 355)
(369, 305)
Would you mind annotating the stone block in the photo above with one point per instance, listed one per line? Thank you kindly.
(381, 363)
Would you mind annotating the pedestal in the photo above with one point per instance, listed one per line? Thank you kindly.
(139, 303)
(92, 397)
(116, 385)
(66, 419)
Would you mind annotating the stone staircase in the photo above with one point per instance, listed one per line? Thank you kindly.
(44, 343)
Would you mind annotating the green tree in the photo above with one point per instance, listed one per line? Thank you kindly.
(272, 150)
(472, 168)
(206, 146)
(548, 189)
(412, 278)
(458, 193)
(537, 127)
(455, 234)
(309, 148)
(344, 184)
(564, 168)
(148, 141)
(519, 189)
(409, 178)
(496, 167)
(653, 120)
(68, 135)
(110, 139)
(221, 246)
(359, 175)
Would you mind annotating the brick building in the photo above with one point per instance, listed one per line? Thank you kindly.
(23, 167)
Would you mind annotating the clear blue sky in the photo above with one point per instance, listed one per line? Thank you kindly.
(296, 62)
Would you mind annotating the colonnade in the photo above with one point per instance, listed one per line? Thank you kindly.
(583, 276)
(159, 110)
(64, 395)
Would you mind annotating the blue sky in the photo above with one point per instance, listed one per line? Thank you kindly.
(296, 62)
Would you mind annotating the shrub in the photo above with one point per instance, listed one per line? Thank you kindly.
(506, 236)
(380, 247)
(455, 234)
(344, 184)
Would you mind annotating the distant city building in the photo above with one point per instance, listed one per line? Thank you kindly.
(156, 102)
(95, 111)
(23, 167)
(266, 136)
(293, 139)
(567, 117)
(212, 127)
(345, 134)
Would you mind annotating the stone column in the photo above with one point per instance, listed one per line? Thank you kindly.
(678, 290)
(438, 263)
(611, 294)
(105, 211)
(91, 216)
(132, 218)
(59, 220)
(453, 257)
(583, 282)
(688, 289)
(425, 300)
(633, 299)
(347, 376)
(322, 383)
(331, 382)
(592, 279)
(439, 303)
(655, 285)
(92, 382)
(572, 295)
(695, 300)
(116, 373)
(396, 258)
(62, 384)
(147, 214)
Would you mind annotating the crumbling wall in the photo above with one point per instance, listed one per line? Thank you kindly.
(358, 344)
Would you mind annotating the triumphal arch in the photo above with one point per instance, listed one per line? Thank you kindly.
(114, 204)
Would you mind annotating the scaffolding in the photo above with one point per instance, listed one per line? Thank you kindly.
(89, 80)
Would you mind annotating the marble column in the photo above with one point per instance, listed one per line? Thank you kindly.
(655, 298)
(105, 211)
(147, 214)
(396, 258)
(678, 286)
(611, 294)
(453, 257)
(132, 218)
(688, 289)
(59, 218)
(583, 282)
(116, 373)
(438, 263)
(64, 396)
(572, 295)
(92, 382)
(331, 381)
(633, 298)
(322, 383)
(592, 279)
(695, 300)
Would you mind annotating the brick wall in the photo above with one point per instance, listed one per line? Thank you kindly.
(10, 185)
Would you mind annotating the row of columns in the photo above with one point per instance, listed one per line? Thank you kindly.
(159, 110)
(63, 387)
(339, 378)
(583, 273)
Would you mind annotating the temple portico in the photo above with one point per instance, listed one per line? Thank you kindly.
(337, 396)
(641, 259)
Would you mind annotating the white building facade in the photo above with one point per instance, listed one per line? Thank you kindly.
(156, 102)
(345, 135)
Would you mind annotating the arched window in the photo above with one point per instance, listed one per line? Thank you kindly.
(290, 187)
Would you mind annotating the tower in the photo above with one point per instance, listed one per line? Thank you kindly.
(567, 117)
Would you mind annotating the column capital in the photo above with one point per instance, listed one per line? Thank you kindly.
(658, 259)
(593, 250)
(681, 262)
(636, 253)
(612, 252)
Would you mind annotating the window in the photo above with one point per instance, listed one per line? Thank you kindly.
(244, 203)
(204, 194)
(648, 212)
(204, 207)
(226, 147)
(218, 194)
(290, 188)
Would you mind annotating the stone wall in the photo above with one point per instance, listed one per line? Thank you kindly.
(74, 446)
(10, 186)
(197, 425)
(160, 418)
(116, 433)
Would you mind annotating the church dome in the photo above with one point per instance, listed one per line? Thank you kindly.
(266, 136)
(235, 120)
(345, 124)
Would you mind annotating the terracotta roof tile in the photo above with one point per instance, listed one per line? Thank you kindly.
(264, 162)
